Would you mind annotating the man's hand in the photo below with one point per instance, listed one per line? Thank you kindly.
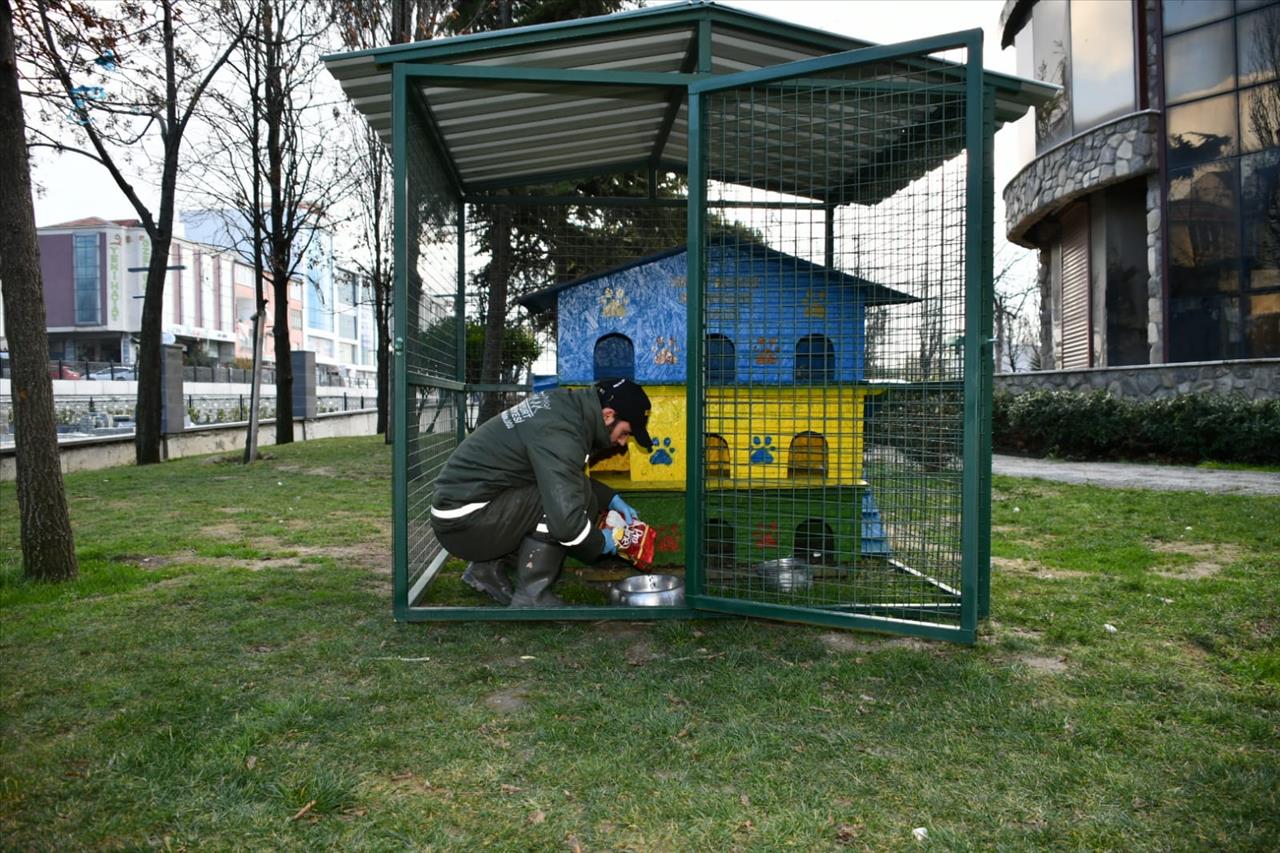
(610, 547)
(627, 512)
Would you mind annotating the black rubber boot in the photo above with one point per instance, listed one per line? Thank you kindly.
(490, 577)
(538, 566)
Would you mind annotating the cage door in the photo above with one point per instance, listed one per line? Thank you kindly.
(836, 221)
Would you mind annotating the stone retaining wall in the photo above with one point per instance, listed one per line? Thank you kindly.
(1255, 379)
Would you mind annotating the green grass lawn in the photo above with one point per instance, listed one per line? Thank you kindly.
(226, 674)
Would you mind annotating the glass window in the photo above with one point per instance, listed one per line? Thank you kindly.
(1262, 329)
(1260, 218)
(1125, 209)
(1204, 328)
(815, 359)
(87, 272)
(722, 367)
(1258, 42)
(1204, 251)
(347, 326)
(1260, 117)
(1101, 61)
(1181, 14)
(318, 316)
(1051, 41)
(615, 358)
(1204, 130)
(1199, 62)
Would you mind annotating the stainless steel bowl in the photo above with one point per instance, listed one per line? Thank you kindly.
(785, 575)
(648, 591)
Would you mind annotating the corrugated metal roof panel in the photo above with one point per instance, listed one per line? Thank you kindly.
(498, 130)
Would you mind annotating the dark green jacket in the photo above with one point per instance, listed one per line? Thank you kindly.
(544, 440)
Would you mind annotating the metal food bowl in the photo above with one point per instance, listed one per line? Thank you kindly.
(785, 575)
(648, 591)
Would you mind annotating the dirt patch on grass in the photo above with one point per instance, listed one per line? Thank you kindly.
(1030, 568)
(640, 653)
(1206, 559)
(226, 530)
(1043, 664)
(511, 700)
(622, 630)
(839, 642)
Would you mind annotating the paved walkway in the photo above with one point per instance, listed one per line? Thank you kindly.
(1120, 475)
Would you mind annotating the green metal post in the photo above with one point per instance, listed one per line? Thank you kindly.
(974, 292)
(460, 320)
(988, 332)
(400, 451)
(694, 492)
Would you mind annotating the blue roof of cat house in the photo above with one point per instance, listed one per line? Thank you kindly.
(873, 294)
(631, 320)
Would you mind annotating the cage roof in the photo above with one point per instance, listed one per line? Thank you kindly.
(872, 293)
(501, 133)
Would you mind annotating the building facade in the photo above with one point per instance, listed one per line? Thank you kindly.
(94, 274)
(1152, 183)
(337, 308)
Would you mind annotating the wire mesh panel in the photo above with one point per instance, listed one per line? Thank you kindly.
(427, 391)
(833, 391)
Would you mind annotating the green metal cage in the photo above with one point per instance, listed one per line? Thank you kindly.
(859, 449)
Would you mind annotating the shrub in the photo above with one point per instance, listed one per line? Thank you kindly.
(1188, 428)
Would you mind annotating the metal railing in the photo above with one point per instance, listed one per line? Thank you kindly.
(105, 371)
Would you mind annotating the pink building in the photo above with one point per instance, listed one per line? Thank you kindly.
(94, 278)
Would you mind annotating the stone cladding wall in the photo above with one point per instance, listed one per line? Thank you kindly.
(1255, 379)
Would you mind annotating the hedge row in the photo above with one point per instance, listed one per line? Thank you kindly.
(1186, 429)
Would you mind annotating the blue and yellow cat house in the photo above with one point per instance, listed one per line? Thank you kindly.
(784, 356)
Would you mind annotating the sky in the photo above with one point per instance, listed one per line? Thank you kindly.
(70, 186)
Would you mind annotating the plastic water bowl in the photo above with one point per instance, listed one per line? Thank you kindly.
(785, 575)
(648, 591)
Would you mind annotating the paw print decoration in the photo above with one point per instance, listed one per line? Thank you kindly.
(761, 450)
(662, 451)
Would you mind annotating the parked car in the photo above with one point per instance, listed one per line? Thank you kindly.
(115, 372)
(57, 370)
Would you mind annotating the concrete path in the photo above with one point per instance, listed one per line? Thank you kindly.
(1120, 475)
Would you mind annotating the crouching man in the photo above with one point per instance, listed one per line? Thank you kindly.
(515, 496)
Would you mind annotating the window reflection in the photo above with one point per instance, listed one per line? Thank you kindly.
(1199, 63)
(1102, 61)
(1262, 331)
(1260, 216)
(1260, 117)
(1204, 328)
(1204, 130)
(1258, 40)
(1203, 237)
(1180, 14)
(1051, 38)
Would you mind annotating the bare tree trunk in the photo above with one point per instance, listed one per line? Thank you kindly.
(381, 312)
(284, 351)
(48, 547)
(496, 319)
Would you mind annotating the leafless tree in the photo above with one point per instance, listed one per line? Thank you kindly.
(273, 174)
(48, 549)
(1015, 308)
(111, 81)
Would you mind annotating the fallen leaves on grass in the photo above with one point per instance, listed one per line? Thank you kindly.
(538, 816)
(847, 833)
